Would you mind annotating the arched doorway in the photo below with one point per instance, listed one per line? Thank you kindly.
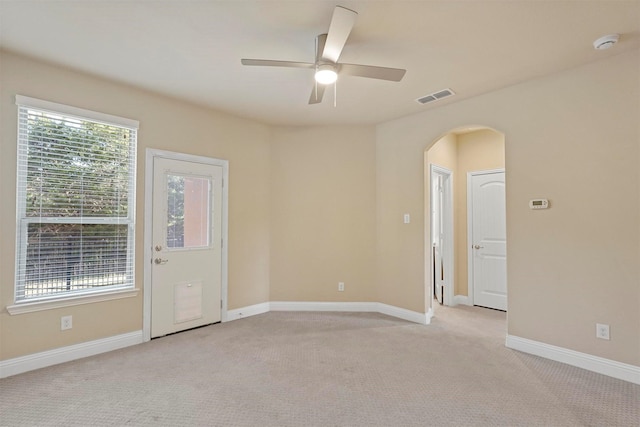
(454, 266)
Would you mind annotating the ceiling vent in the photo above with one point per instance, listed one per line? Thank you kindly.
(435, 96)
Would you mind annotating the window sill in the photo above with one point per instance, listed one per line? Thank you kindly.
(30, 307)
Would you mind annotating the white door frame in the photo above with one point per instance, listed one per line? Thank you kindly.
(470, 227)
(151, 154)
(447, 217)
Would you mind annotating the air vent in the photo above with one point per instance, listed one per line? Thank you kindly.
(435, 96)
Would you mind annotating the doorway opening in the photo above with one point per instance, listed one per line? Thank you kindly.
(450, 254)
(442, 244)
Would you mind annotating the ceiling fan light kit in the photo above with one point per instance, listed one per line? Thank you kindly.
(326, 74)
(328, 49)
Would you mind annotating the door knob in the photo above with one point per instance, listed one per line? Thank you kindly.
(159, 261)
(478, 247)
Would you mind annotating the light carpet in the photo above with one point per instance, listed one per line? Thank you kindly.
(322, 369)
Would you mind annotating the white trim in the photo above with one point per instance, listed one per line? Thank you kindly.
(225, 240)
(461, 299)
(429, 316)
(469, 237)
(403, 313)
(150, 154)
(470, 228)
(247, 311)
(368, 307)
(30, 307)
(55, 108)
(586, 361)
(449, 238)
(148, 250)
(322, 306)
(66, 354)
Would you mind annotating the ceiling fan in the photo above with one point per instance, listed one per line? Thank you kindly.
(328, 49)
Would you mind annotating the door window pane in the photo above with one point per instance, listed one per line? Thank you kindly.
(188, 213)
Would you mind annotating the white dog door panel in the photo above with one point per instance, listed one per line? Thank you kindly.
(187, 302)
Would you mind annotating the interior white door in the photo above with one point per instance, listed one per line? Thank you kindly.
(437, 235)
(186, 272)
(488, 240)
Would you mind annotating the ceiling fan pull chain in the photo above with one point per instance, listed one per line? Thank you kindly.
(335, 94)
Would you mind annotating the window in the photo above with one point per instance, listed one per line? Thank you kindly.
(187, 211)
(75, 201)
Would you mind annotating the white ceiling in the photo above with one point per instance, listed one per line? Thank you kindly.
(192, 49)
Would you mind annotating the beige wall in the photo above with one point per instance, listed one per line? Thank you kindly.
(164, 124)
(323, 213)
(572, 137)
(463, 153)
(313, 206)
(444, 152)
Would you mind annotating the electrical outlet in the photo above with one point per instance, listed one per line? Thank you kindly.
(341, 286)
(66, 322)
(602, 331)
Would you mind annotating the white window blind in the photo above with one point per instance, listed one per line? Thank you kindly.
(75, 201)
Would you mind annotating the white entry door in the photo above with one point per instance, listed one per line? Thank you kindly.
(488, 239)
(186, 272)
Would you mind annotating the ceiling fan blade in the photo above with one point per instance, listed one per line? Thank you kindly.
(372, 72)
(270, 63)
(316, 94)
(320, 43)
(341, 24)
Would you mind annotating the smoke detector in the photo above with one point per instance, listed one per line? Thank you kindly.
(605, 42)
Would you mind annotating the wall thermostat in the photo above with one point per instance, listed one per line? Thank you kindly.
(538, 204)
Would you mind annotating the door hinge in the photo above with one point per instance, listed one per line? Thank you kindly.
(220, 303)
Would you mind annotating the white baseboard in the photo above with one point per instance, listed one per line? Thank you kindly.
(586, 361)
(323, 306)
(66, 354)
(367, 307)
(403, 313)
(429, 315)
(461, 299)
(247, 311)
